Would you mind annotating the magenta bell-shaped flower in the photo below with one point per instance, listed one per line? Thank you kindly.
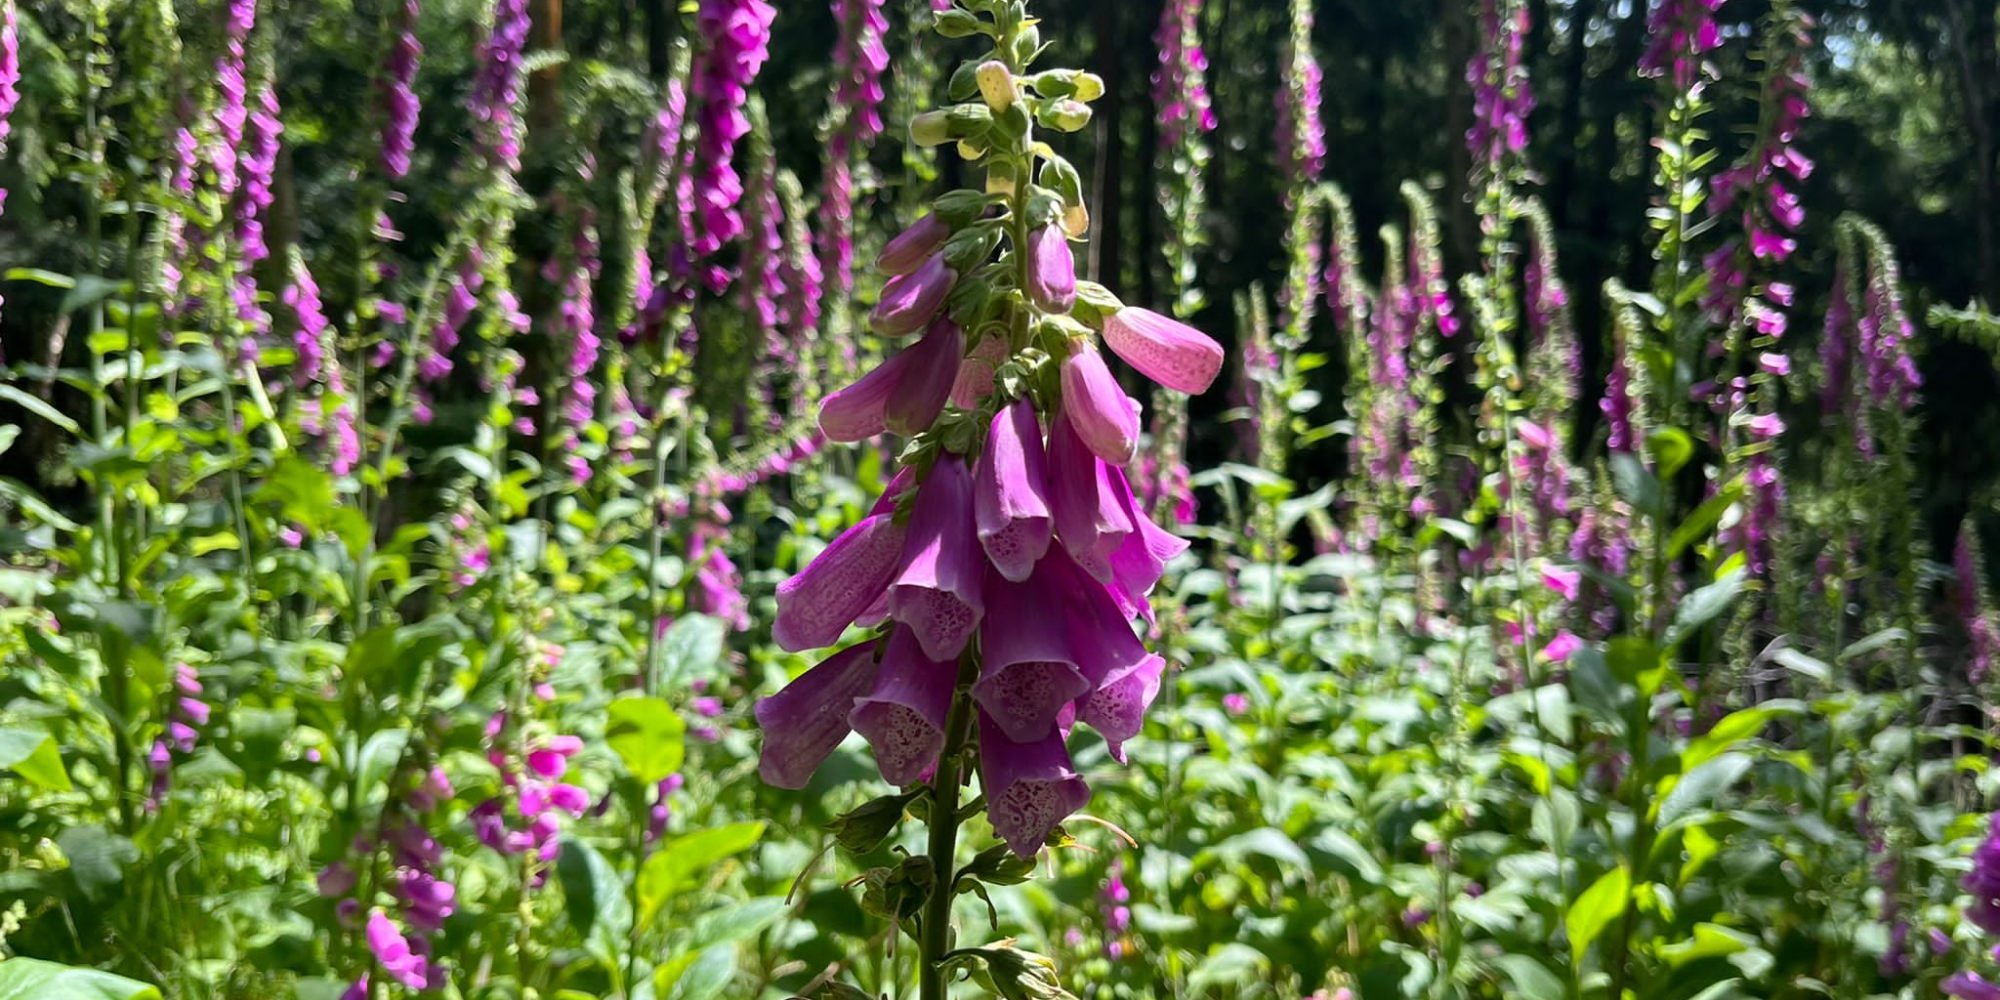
(975, 373)
(903, 394)
(903, 717)
(910, 300)
(804, 722)
(1030, 787)
(1104, 417)
(1969, 986)
(1090, 505)
(913, 246)
(1142, 557)
(1029, 669)
(818, 604)
(1051, 270)
(925, 384)
(1117, 709)
(1165, 350)
(936, 592)
(1010, 493)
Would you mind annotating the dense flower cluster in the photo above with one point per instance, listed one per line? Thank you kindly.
(399, 103)
(10, 77)
(1301, 134)
(718, 587)
(1682, 31)
(1017, 550)
(738, 37)
(1501, 96)
(423, 899)
(185, 714)
(576, 321)
(538, 793)
(1180, 85)
(231, 114)
(495, 97)
(860, 58)
(313, 340)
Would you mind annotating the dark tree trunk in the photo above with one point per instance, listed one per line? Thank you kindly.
(545, 87)
(659, 39)
(1562, 179)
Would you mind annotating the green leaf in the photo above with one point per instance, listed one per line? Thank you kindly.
(679, 862)
(1671, 448)
(1593, 911)
(97, 858)
(1736, 727)
(1805, 666)
(1700, 787)
(1708, 941)
(692, 646)
(706, 977)
(35, 405)
(593, 894)
(1532, 980)
(1704, 518)
(40, 277)
(1358, 863)
(736, 922)
(1634, 483)
(32, 754)
(1267, 842)
(648, 735)
(1704, 605)
(33, 979)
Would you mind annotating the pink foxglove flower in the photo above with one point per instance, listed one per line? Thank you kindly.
(1105, 419)
(1029, 670)
(937, 590)
(903, 716)
(1051, 270)
(914, 246)
(1165, 350)
(818, 604)
(1010, 493)
(1091, 517)
(930, 369)
(804, 722)
(1030, 787)
(909, 301)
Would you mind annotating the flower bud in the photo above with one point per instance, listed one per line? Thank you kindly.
(1104, 417)
(1065, 115)
(910, 300)
(956, 23)
(996, 84)
(1076, 221)
(964, 82)
(914, 245)
(1089, 87)
(925, 383)
(960, 207)
(1051, 270)
(932, 128)
(969, 151)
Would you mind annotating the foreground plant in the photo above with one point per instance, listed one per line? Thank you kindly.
(1001, 570)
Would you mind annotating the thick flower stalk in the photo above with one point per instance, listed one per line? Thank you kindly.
(999, 576)
(397, 97)
(738, 37)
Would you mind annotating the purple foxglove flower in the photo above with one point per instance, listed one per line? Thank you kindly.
(1051, 270)
(386, 940)
(804, 722)
(1104, 417)
(909, 301)
(936, 592)
(1030, 787)
(913, 247)
(1562, 646)
(358, 990)
(1969, 986)
(1089, 504)
(924, 384)
(1029, 669)
(903, 717)
(1165, 350)
(1235, 703)
(1010, 493)
(1117, 709)
(336, 879)
(1563, 581)
(818, 604)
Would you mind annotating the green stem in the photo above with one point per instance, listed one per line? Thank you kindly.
(936, 928)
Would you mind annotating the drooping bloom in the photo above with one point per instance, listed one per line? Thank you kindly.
(393, 950)
(860, 58)
(937, 589)
(912, 247)
(1105, 419)
(1051, 270)
(1030, 787)
(1163, 349)
(804, 722)
(909, 301)
(737, 34)
(718, 587)
(397, 96)
(1010, 498)
(1983, 882)
(904, 393)
(818, 604)
(1682, 31)
(903, 716)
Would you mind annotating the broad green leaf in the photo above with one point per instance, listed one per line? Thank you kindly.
(33, 979)
(1736, 727)
(1704, 605)
(1358, 863)
(593, 893)
(1708, 941)
(683, 861)
(1811, 668)
(1704, 518)
(736, 921)
(38, 407)
(32, 754)
(1532, 980)
(707, 976)
(1699, 787)
(692, 646)
(1593, 911)
(1266, 842)
(1671, 448)
(648, 735)
(97, 858)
